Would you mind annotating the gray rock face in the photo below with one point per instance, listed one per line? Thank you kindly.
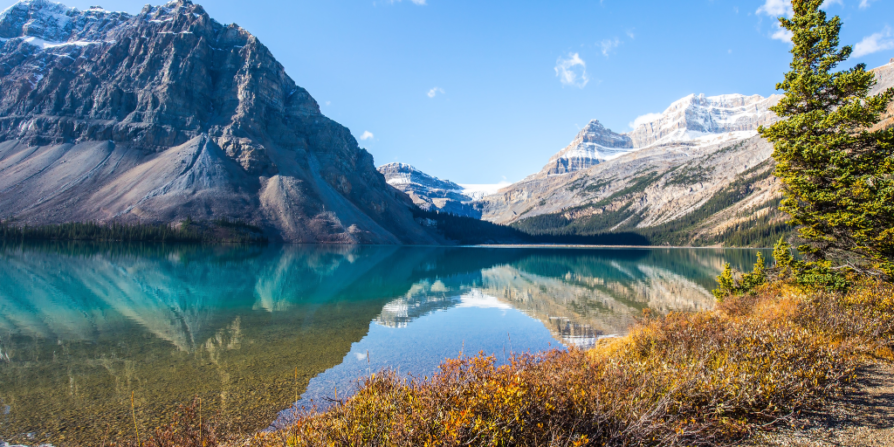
(430, 193)
(691, 117)
(594, 144)
(168, 114)
(694, 119)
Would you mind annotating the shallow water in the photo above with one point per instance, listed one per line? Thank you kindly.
(84, 327)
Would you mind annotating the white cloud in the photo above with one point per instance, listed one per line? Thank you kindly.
(782, 34)
(572, 70)
(608, 45)
(415, 2)
(832, 2)
(643, 119)
(874, 43)
(367, 135)
(630, 34)
(435, 91)
(776, 8)
(865, 3)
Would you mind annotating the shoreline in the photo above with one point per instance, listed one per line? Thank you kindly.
(644, 247)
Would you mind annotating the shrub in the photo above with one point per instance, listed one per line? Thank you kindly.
(686, 379)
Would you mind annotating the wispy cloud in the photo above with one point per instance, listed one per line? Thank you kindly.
(782, 34)
(643, 119)
(828, 3)
(630, 34)
(367, 135)
(865, 3)
(776, 8)
(572, 70)
(874, 43)
(608, 45)
(435, 92)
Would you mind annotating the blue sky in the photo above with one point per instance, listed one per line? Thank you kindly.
(481, 91)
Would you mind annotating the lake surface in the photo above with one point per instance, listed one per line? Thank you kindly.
(84, 327)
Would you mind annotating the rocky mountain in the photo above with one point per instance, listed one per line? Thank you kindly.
(693, 119)
(695, 174)
(430, 193)
(167, 115)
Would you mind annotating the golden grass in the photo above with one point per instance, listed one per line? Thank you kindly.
(707, 378)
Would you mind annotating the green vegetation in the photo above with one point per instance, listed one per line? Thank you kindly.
(838, 174)
(728, 284)
(690, 175)
(223, 230)
(596, 187)
(558, 225)
(470, 231)
(760, 231)
(636, 185)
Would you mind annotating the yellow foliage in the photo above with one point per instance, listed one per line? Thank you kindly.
(685, 379)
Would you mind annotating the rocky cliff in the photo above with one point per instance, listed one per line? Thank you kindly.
(169, 114)
(430, 193)
(694, 119)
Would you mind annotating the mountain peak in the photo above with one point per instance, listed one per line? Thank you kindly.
(167, 114)
(695, 117)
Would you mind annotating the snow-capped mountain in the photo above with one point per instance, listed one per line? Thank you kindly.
(695, 119)
(169, 114)
(697, 173)
(431, 193)
(45, 24)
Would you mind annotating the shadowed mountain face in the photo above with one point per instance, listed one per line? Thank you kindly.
(169, 114)
(83, 326)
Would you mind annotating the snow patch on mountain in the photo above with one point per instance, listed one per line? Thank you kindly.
(695, 120)
(479, 191)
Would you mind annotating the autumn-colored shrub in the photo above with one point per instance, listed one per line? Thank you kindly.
(686, 379)
(694, 379)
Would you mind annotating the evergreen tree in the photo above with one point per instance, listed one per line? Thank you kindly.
(726, 284)
(836, 172)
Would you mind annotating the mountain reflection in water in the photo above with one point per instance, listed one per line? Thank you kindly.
(84, 326)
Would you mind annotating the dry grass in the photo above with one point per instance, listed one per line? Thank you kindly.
(707, 378)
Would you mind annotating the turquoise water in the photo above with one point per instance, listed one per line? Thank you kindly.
(252, 330)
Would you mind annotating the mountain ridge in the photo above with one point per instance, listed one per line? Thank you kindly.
(169, 115)
(694, 118)
(430, 193)
(697, 174)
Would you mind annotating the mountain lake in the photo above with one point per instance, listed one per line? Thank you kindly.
(258, 331)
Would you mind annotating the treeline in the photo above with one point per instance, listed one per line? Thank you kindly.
(471, 231)
(225, 231)
(757, 232)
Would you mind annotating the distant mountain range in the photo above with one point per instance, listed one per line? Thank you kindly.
(169, 115)
(696, 174)
(431, 193)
